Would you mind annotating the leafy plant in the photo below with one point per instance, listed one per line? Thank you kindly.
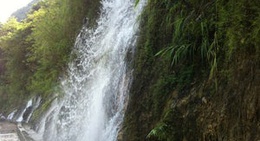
(159, 132)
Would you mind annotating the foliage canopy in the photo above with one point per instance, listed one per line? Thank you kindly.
(35, 52)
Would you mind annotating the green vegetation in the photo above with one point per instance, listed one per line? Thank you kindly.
(186, 45)
(35, 52)
(16, 71)
(196, 66)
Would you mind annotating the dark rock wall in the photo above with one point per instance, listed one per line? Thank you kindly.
(196, 100)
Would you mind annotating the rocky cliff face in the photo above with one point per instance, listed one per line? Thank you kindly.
(191, 101)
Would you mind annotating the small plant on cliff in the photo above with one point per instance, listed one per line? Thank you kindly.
(159, 132)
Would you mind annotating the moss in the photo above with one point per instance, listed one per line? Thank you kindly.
(200, 49)
(41, 110)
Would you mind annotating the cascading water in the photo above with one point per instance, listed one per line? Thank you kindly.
(96, 88)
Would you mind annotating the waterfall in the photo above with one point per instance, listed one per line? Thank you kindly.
(95, 91)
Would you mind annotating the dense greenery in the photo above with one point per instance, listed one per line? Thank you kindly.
(184, 47)
(35, 51)
(184, 44)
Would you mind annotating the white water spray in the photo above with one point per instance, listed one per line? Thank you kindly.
(96, 88)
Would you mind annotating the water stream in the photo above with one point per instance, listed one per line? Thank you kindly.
(96, 87)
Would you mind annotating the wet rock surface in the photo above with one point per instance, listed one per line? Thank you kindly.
(8, 131)
(7, 127)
